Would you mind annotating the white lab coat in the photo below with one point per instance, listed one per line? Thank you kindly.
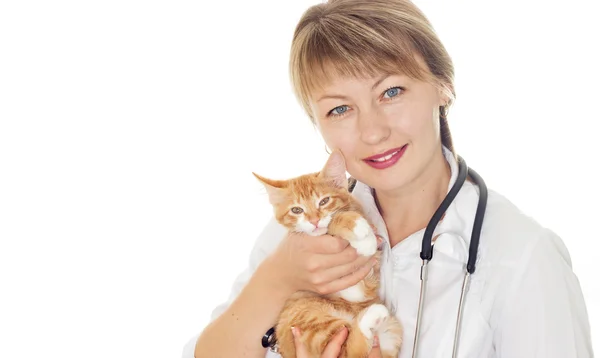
(524, 299)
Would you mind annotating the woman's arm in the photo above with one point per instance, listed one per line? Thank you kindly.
(237, 332)
(321, 264)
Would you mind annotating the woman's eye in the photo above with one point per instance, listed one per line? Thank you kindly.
(338, 110)
(392, 92)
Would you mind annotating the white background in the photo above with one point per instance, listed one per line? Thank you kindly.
(127, 204)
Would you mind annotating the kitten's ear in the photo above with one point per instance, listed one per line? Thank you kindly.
(274, 188)
(335, 170)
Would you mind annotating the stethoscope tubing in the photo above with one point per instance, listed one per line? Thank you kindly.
(427, 249)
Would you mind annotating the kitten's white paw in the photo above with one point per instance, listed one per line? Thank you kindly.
(364, 241)
(372, 318)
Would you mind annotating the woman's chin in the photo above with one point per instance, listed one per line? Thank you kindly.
(384, 183)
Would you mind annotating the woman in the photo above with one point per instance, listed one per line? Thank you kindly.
(375, 79)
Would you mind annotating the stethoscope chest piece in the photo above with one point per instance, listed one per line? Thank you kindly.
(269, 340)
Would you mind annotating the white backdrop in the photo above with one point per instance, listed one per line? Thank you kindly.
(129, 130)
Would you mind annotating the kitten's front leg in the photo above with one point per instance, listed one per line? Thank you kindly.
(353, 227)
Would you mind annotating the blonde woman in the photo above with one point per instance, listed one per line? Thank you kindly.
(377, 82)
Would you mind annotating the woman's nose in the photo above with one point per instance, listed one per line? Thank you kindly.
(373, 128)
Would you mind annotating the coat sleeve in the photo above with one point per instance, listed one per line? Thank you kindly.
(266, 243)
(545, 315)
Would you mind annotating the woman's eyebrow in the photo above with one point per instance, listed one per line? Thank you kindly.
(381, 79)
(342, 97)
(339, 96)
(332, 96)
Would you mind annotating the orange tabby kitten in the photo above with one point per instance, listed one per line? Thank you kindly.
(316, 204)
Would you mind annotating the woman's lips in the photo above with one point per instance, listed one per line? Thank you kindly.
(386, 159)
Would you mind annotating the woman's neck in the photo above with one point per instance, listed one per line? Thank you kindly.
(410, 209)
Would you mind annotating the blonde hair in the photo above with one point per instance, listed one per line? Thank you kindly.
(367, 38)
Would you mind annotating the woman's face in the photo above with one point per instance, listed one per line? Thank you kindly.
(387, 127)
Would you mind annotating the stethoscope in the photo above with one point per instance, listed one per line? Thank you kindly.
(427, 247)
(269, 340)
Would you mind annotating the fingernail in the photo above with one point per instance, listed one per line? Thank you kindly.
(295, 332)
(340, 329)
(376, 341)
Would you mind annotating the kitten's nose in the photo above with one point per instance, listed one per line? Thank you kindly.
(315, 222)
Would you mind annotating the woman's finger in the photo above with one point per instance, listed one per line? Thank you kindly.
(332, 350)
(342, 270)
(324, 244)
(375, 351)
(301, 351)
(348, 255)
(379, 242)
(352, 278)
(334, 347)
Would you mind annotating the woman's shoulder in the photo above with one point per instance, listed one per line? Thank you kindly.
(510, 235)
(523, 264)
(503, 215)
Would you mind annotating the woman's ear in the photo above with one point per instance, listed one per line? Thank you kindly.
(444, 92)
(335, 170)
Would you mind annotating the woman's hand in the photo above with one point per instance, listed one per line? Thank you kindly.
(321, 264)
(334, 348)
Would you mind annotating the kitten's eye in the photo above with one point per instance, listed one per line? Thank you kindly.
(324, 201)
(297, 210)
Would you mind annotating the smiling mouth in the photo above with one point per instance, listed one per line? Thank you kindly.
(380, 158)
(386, 159)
